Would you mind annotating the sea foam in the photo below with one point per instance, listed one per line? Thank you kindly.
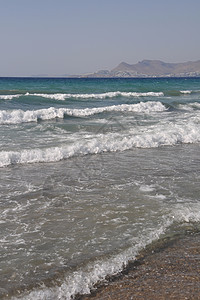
(114, 94)
(190, 106)
(83, 280)
(20, 116)
(9, 97)
(158, 136)
(186, 92)
(63, 96)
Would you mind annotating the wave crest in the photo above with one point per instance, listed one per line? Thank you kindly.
(64, 96)
(111, 142)
(97, 96)
(9, 97)
(20, 116)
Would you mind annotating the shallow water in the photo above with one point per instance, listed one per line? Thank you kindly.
(83, 191)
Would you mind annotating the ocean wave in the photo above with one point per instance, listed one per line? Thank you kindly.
(20, 116)
(186, 92)
(111, 142)
(82, 281)
(9, 97)
(190, 106)
(176, 93)
(63, 96)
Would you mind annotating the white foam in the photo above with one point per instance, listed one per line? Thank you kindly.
(9, 97)
(190, 106)
(83, 280)
(187, 213)
(111, 142)
(186, 92)
(147, 188)
(62, 96)
(55, 96)
(20, 116)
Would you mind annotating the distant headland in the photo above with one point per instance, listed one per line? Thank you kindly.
(150, 68)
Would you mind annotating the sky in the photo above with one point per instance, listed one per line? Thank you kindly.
(58, 37)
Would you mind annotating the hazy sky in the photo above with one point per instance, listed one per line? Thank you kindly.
(59, 37)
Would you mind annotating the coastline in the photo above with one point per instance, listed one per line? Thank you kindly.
(170, 272)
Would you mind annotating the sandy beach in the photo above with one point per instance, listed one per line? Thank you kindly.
(171, 273)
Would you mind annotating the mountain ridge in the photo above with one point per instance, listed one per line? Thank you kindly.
(152, 68)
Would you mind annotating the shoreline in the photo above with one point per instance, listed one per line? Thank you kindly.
(172, 271)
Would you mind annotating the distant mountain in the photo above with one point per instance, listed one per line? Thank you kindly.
(152, 68)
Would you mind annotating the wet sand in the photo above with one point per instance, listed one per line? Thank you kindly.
(173, 272)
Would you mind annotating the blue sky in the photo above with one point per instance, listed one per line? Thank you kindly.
(57, 37)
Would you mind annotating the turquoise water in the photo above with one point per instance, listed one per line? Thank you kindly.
(92, 171)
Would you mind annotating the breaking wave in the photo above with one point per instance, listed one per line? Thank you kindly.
(9, 97)
(97, 96)
(83, 280)
(65, 96)
(112, 142)
(186, 92)
(190, 106)
(20, 116)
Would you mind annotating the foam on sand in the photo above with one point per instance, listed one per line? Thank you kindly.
(84, 279)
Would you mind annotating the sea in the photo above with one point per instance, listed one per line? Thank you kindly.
(92, 171)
